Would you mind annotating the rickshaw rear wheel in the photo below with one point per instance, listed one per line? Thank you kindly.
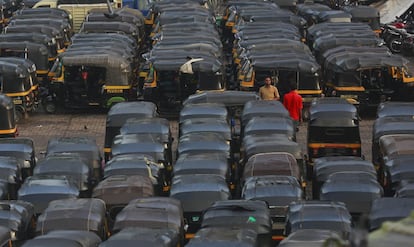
(395, 44)
(50, 107)
(20, 115)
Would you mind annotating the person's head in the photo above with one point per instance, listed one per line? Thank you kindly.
(268, 80)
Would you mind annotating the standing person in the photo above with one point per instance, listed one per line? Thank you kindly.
(293, 102)
(268, 91)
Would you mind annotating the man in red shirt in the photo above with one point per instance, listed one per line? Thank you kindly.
(293, 102)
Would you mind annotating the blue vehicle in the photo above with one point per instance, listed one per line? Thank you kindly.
(142, 5)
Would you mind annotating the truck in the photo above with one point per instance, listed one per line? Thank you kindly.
(78, 9)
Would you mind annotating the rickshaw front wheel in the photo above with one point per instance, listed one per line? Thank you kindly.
(50, 107)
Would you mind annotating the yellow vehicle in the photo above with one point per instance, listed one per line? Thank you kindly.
(77, 8)
(18, 81)
(284, 69)
(96, 78)
(366, 76)
(8, 126)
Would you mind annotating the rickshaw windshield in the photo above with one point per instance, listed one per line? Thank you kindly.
(348, 79)
(308, 81)
(209, 81)
(167, 77)
(334, 134)
(89, 73)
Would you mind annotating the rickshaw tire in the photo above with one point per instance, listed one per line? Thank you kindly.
(394, 46)
(50, 107)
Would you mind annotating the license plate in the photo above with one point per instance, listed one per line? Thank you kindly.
(18, 101)
(114, 90)
(349, 96)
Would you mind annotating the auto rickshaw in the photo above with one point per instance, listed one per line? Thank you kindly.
(137, 164)
(366, 80)
(108, 27)
(39, 190)
(215, 236)
(21, 148)
(70, 165)
(10, 176)
(197, 192)
(87, 79)
(328, 136)
(35, 52)
(18, 216)
(389, 125)
(84, 147)
(325, 166)
(389, 209)
(19, 84)
(152, 213)
(277, 191)
(8, 127)
(395, 108)
(118, 115)
(325, 28)
(358, 197)
(44, 13)
(166, 86)
(127, 15)
(87, 214)
(118, 190)
(304, 71)
(310, 10)
(396, 154)
(251, 214)
(45, 39)
(309, 237)
(65, 238)
(129, 237)
(146, 145)
(327, 215)
(54, 32)
(365, 14)
(62, 25)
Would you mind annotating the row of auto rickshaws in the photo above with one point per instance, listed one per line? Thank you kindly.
(31, 41)
(95, 70)
(185, 54)
(266, 166)
(264, 39)
(355, 63)
(258, 46)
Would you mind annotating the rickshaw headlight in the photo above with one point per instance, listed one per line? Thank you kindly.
(334, 93)
(12, 179)
(26, 164)
(13, 235)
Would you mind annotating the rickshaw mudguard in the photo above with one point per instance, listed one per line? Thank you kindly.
(114, 100)
(8, 131)
(353, 89)
(334, 145)
(116, 89)
(309, 92)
